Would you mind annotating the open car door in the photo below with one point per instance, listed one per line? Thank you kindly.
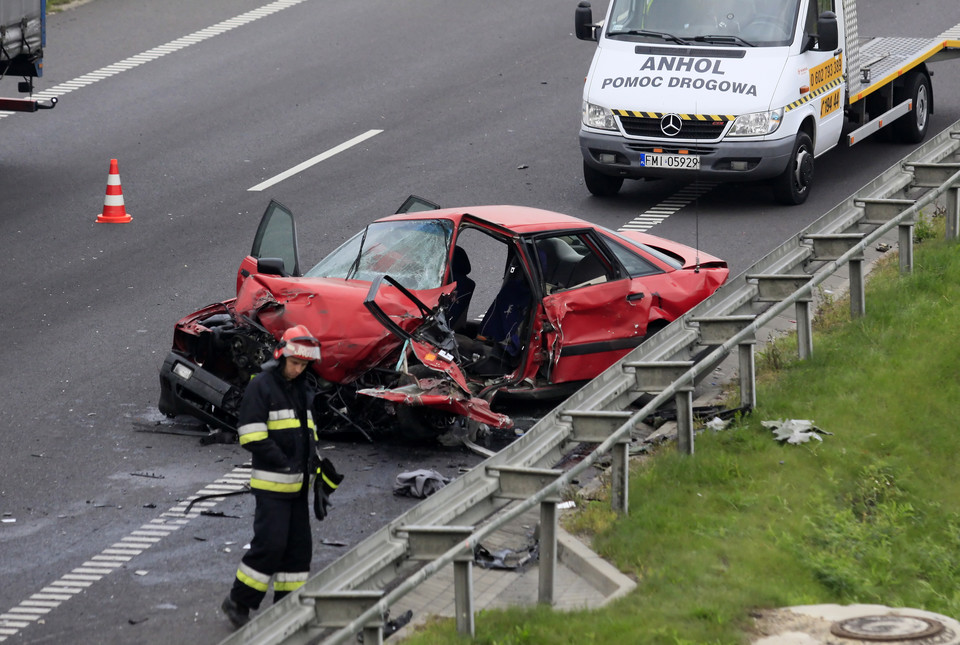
(274, 248)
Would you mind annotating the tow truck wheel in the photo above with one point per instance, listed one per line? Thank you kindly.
(912, 126)
(793, 186)
(599, 184)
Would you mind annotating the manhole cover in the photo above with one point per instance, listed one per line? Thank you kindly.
(887, 628)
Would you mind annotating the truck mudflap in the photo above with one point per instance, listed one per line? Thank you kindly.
(437, 394)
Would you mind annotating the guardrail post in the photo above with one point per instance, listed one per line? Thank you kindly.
(596, 426)
(716, 330)
(881, 211)
(833, 247)
(524, 483)
(429, 543)
(657, 376)
(931, 175)
(953, 205)
(952, 213)
(776, 288)
(905, 243)
(340, 608)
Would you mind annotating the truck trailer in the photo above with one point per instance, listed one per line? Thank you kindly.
(743, 90)
(22, 38)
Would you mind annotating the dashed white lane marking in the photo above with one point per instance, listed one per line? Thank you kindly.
(315, 160)
(157, 52)
(655, 215)
(117, 555)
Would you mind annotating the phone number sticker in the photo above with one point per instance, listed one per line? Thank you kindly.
(826, 72)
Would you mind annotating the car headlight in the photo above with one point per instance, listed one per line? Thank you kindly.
(182, 371)
(595, 116)
(756, 124)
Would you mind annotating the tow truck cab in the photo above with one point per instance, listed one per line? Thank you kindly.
(738, 90)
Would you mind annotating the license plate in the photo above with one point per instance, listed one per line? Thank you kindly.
(683, 162)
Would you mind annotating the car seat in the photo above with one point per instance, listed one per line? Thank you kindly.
(557, 261)
(463, 293)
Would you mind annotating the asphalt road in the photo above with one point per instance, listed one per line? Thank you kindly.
(476, 103)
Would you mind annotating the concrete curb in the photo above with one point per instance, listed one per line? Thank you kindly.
(601, 575)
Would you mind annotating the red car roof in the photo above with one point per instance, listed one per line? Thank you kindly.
(522, 219)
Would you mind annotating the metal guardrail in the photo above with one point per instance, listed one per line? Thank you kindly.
(353, 593)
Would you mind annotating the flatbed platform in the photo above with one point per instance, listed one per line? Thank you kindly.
(886, 58)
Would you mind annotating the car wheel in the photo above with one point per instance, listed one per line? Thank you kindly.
(793, 186)
(599, 184)
(912, 126)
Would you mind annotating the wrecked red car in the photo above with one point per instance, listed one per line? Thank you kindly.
(430, 318)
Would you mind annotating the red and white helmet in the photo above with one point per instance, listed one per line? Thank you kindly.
(299, 343)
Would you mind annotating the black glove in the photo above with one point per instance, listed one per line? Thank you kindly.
(326, 482)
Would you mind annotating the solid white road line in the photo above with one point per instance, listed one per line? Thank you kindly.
(315, 160)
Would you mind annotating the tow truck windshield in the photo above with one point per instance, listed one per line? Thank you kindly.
(750, 23)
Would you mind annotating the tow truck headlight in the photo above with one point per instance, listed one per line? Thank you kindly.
(756, 124)
(595, 116)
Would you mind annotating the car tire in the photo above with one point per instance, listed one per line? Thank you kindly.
(912, 126)
(599, 184)
(792, 187)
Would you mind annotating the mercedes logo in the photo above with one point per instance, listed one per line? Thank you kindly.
(670, 124)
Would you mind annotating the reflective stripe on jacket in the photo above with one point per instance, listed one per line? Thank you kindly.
(276, 425)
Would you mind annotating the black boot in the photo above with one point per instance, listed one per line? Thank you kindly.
(238, 614)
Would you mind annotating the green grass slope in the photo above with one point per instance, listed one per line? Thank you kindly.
(870, 514)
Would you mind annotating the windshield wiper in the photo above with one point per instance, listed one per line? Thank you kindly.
(653, 34)
(356, 263)
(723, 38)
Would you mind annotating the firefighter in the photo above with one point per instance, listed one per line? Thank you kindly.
(276, 424)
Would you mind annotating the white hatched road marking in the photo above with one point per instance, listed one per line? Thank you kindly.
(158, 52)
(114, 556)
(668, 207)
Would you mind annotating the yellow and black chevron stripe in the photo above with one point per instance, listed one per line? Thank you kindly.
(685, 117)
(814, 95)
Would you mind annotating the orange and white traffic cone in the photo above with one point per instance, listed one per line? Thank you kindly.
(114, 211)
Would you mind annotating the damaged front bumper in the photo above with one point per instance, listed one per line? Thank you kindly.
(187, 388)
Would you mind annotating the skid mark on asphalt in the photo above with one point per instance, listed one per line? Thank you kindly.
(669, 206)
(158, 52)
(117, 555)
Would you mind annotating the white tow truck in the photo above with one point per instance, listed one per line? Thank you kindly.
(742, 90)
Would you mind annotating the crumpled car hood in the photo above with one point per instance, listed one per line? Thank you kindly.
(351, 340)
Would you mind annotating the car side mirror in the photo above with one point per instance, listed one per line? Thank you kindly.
(583, 22)
(828, 34)
(271, 266)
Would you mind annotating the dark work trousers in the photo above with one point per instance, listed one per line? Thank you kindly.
(282, 547)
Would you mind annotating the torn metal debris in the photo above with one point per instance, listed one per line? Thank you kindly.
(511, 559)
(794, 431)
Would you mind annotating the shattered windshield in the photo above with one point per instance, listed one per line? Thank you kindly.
(743, 23)
(414, 252)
